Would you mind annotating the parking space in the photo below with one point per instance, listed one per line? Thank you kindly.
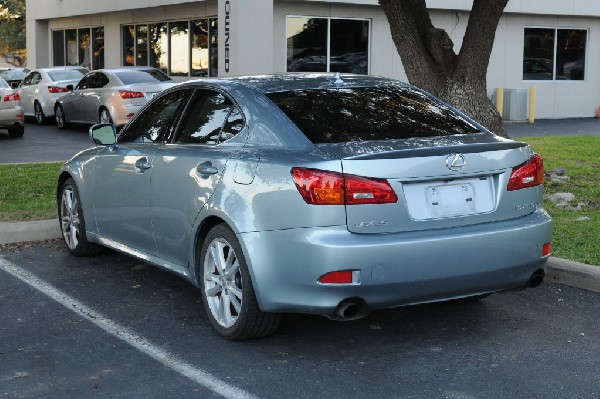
(535, 343)
(43, 144)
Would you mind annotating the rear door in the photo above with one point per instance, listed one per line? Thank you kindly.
(122, 176)
(188, 170)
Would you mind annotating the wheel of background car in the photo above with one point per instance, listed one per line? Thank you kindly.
(227, 291)
(72, 223)
(105, 116)
(59, 115)
(16, 131)
(40, 118)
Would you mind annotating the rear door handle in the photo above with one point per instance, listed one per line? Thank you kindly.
(142, 164)
(206, 168)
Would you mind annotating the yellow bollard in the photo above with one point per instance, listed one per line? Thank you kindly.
(531, 104)
(500, 100)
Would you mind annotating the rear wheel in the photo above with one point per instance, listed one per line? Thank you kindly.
(38, 112)
(72, 224)
(59, 116)
(105, 116)
(16, 131)
(227, 290)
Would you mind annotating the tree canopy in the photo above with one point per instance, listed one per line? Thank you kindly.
(12, 25)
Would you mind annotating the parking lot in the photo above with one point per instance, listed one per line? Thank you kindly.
(111, 326)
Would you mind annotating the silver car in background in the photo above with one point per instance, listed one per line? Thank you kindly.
(11, 114)
(40, 89)
(321, 194)
(110, 95)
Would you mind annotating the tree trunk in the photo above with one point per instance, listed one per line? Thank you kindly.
(430, 62)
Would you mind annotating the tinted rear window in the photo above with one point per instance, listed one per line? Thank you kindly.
(146, 76)
(67, 74)
(369, 113)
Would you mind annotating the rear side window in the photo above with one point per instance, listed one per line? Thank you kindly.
(143, 76)
(369, 113)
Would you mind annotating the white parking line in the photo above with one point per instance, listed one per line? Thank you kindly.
(129, 336)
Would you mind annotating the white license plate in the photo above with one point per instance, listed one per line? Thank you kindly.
(456, 198)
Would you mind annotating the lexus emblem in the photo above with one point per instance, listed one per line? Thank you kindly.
(455, 162)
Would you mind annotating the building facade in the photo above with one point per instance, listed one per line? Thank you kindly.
(549, 48)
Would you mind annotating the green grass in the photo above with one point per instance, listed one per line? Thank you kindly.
(28, 191)
(580, 156)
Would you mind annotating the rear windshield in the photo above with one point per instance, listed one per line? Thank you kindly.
(369, 113)
(67, 74)
(145, 76)
(12, 74)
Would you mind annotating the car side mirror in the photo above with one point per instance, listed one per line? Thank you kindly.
(103, 134)
(70, 87)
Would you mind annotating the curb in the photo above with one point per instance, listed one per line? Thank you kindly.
(13, 232)
(558, 270)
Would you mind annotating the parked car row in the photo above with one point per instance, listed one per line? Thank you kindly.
(72, 94)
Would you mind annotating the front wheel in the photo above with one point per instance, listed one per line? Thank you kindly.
(38, 112)
(227, 291)
(59, 116)
(72, 224)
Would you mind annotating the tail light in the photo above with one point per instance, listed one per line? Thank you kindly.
(546, 249)
(529, 174)
(56, 89)
(319, 187)
(340, 277)
(127, 94)
(12, 97)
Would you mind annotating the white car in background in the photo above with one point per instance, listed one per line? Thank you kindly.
(110, 95)
(40, 89)
(11, 115)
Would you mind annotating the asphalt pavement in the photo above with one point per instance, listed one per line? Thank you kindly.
(62, 323)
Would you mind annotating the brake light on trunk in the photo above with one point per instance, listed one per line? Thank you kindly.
(529, 174)
(12, 97)
(320, 187)
(56, 89)
(127, 94)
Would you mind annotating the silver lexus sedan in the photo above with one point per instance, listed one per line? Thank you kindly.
(110, 95)
(321, 194)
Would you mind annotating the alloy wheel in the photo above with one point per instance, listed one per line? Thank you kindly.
(223, 282)
(39, 113)
(69, 217)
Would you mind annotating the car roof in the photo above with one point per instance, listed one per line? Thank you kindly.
(298, 81)
(58, 68)
(127, 69)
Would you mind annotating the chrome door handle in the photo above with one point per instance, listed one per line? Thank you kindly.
(206, 168)
(142, 165)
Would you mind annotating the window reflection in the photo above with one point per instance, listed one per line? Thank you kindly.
(200, 48)
(349, 46)
(58, 47)
(179, 45)
(307, 44)
(540, 47)
(85, 52)
(128, 45)
(98, 48)
(71, 47)
(214, 47)
(141, 48)
(159, 41)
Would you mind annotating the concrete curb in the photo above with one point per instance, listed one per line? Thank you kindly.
(13, 232)
(558, 270)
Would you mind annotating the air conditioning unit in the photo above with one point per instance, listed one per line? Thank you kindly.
(516, 102)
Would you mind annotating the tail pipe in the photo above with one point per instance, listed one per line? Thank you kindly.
(350, 309)
(536, 278)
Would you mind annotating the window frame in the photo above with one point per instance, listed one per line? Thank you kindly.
(92, 31)
(554, 54)
(328, 43)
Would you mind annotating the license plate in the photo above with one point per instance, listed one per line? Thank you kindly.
(452, 199)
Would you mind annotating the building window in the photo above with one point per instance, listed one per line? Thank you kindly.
(554, 54)
(78, 47)
(327, 45)
(179, 48)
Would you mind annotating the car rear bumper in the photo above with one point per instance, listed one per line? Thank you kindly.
(395, 269)
(11, 116)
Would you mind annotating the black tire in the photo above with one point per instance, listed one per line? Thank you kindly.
(249, 322)
(38, 114)
(59, 116)
(72, 223)
(104, 116)
(16, 131)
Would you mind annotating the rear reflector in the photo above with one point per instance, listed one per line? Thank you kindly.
(320, 187)
(56, 89)
(529, 174)
(126, 94)
(546, 249)
(12, 97)
(339, 277)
